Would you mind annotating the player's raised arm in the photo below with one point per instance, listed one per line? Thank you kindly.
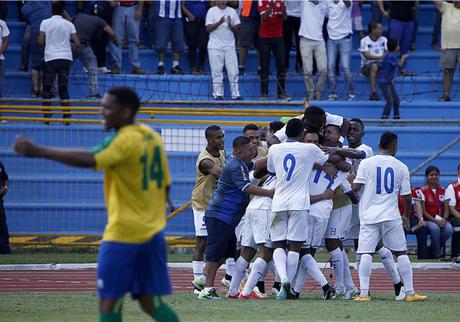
(326, 195)
(208, 166)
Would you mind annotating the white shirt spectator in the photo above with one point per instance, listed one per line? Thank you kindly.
(223, 35)
(374, 48)
(293, 8)
(4, 32)
(384, 177)
(450, 36)
(450, 194)
(58, 33)
(312, 20)
(339, 24)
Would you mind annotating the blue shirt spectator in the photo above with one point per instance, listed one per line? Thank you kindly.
(198, 8)
(229, 201)
(168, 9)
(35, 12)
(387, 71)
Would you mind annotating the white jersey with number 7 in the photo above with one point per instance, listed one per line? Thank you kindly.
(384, 177)
(292, 162)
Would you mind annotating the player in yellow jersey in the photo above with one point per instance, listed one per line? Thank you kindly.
(132, 256)
(208, 168)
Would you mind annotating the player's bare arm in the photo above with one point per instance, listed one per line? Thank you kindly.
(454, 212)
(260, 170)
(357, 186)
(207, 166)
(354, 197)
(407, 207)
(345, 152)
(329, 168)
(273, 140)
(258, 191)
(77, 158)
(326, 195)
(168, 200)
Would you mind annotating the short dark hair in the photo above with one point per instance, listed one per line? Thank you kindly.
(313, 111)
(392, 44)
(358, 120)
(431, 168)
(251, 127)
(336, 128)
(211, 128)
(126, 97)
(57, 8)
(240, 141)
(372, 25)
(275, 126)
(294, 128)
(387, 139)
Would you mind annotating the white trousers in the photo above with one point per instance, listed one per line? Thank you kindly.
(218, 58)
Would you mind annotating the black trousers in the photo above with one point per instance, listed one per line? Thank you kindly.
(61, 68)
(4, 235)
(266, 47)
(197, 41)
(100, 39)
(291, 28)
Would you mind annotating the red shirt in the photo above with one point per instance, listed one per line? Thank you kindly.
(434, 201)
(401, 203)
(272, 26)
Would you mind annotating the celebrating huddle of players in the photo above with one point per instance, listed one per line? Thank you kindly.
(284, 202)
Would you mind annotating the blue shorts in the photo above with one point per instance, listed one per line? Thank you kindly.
(166, 28)
(37, 54)
(133, 268)
(221, 242)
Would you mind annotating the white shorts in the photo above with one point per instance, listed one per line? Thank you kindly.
(339, 222)
(353, 230)
(239, 231)
(200, 226)
(256, 228)
(391, 232)
(316, 228)
(288, 225)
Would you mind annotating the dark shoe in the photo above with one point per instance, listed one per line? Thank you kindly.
(328, 292)
(241, 71)
(36, 94)
(374, 97)
(284, 97)
(238, 98)
(160, 70)
(396, 117)
(22, 68)
(444, 98)
(405, 73)
(176, 70)
(200, 70)
(219, 98)
(194, 70)
(384, 117)
(137, 71)
(412, 47)
(116, 69)
(436, 47)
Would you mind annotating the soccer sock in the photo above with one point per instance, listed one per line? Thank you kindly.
(269, 267)
(302, 276)
(257, 272)
(312, 269)
(365, 271)
(272, 268)
(230, 267)
(292, 264)
(110, 317)
(279, 257)
(387, 260)
(198, 267)
(405, 269)
(163, 312)
(175, 63)
(347, 279)
(337, 264)
(358, 261)
(240, 270)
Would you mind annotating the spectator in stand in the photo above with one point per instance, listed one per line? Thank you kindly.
(340, 43)
(87, 26)
(436, 35)
(126, 16)
(373, 48)
(4, 235)
(147, 26)
(99, 41)
(386, 79)
(4, 42)
(55, 35)
(357, 18)
(402, 23)
(435, 211)
(168, 19)
(221, 23)
(272, 14)
(376, 12)
(35, 12)
(249, 33)
(195, 33)
(25, 44)
(450, 40)
(291, 28)
(312, 45)
(452, 198)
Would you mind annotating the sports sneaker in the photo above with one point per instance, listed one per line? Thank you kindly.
(137, 71)
(259, 293)
(402, 294)
(374, 97)
(103, 70)
(232, 296)
(284, 97)
(176, 70)
(444, 98)
(251, 296)
(285, 291)
(225, 283)
(329, 293)
(116, 69)
(350, 294)
(333, 97)
(362, 299)
(241, 71)
(416, 298)
(351, 97)
(295, 295)
(160, 70)
(208, 295)
(276, 288)
(198, 283)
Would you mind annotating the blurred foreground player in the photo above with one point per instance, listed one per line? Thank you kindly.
(132, 256)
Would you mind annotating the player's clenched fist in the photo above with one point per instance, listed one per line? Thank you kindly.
(24, 146)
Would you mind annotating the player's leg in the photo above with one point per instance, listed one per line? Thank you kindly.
(334, 246)
(297, 226)
(110, 309)
(157, 309)
(241, 265)
(230, 262)
(311, 266)
(278, 231)
(257, 272)
(386, 257)
(200, 247)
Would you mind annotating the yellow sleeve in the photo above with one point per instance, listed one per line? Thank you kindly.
(112, 151)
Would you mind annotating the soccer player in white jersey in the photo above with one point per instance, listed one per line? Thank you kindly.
(292, 163)
(383, 177)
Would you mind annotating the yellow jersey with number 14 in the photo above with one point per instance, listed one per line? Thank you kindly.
(136, 176)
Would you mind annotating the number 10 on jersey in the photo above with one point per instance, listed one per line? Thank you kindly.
(388, 180)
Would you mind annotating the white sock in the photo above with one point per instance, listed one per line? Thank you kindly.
(273, 270)
(268, 268)
(365, 271)
(175, 63)
(387, 260)
(347, 279)
(198, 267)
(301, 276)
(230, 266)
(337, 264)
(405, 269)
(312, 269)
(257, 272)
(238, 275)
(292, 264)
(279, 257)
(358, 261)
